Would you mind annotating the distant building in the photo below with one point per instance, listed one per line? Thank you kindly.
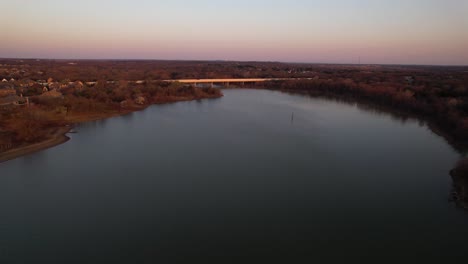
(140, 100)
(54, 86)
(124, 104)
(78, 85)
(409, 79)
(64, 85)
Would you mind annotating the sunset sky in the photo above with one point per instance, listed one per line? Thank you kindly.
(330, 31)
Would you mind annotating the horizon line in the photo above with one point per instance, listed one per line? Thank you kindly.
(243, 61)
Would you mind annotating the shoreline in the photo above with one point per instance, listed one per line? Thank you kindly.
(59, 136)
(436, 125)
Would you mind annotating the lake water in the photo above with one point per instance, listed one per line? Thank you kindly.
(235, 179)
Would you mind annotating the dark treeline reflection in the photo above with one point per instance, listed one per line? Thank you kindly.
(234, 179)
(448, 118)
(460, 184)
(444, 111)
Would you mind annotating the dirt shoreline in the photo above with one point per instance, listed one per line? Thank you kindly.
(58, 135)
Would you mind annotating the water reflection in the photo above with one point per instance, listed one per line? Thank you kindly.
(233, 177)
(402, 118)
(30, 160)
(459, 193)
(128, 116)
(94, 124)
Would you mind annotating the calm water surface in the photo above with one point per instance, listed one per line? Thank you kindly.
(235, 178)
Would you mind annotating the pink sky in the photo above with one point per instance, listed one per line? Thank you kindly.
(420, 32)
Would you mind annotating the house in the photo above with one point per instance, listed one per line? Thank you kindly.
(78, 85)
(124, 104)
(4, 80)
(12, 80)
(409, 79)
(64, 85)
(140, 100)
(54, 86)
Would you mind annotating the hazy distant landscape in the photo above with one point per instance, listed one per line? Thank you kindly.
(246, 131)
(82, 90)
